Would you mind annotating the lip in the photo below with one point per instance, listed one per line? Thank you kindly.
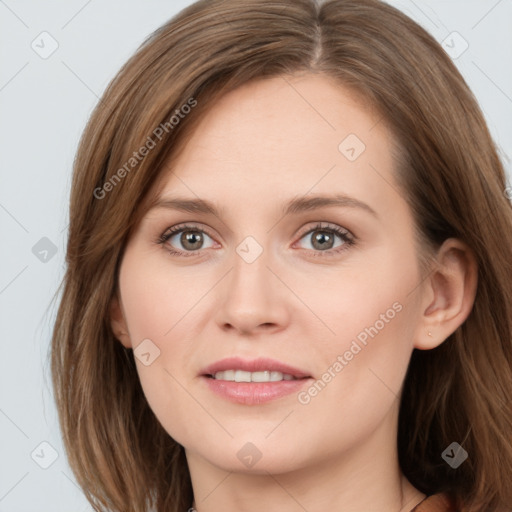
(253, 393)
(253, 365)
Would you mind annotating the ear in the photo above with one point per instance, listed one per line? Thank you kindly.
(449, 294)
(118, 322)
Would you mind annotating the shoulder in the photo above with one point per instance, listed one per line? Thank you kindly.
(435, 503)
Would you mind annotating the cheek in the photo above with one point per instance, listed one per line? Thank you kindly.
(370, 354)
(371, 298)
(157, 296)
(372, 314)
(361, 378)
(160, 317)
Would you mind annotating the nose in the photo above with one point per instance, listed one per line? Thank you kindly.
(252, 298)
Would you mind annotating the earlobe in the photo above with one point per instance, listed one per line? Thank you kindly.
(118, 323)
(451, 293)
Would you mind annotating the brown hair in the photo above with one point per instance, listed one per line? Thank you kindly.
(454, 181)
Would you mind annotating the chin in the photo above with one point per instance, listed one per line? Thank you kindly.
(256, 458)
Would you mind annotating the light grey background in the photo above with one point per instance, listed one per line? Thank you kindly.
(44, 104)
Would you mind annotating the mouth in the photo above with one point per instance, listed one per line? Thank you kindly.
(236, 369)
(261, 376)
(252, 382)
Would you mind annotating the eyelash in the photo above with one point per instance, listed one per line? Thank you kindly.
(346, 236)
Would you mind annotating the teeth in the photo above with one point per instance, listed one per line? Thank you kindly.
(243, 376)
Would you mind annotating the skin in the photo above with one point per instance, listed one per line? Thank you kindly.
(261, 145)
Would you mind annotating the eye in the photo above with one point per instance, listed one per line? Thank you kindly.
(191, 238)
(323, 239)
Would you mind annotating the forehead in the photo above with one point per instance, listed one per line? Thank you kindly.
(283, 116)
(284, 137)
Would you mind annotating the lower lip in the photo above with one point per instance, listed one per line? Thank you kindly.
(253, 393)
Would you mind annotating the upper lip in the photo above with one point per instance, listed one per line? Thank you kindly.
(253, 365)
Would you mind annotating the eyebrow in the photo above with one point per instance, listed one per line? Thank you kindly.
(296, 205)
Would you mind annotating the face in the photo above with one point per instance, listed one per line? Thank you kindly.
(326, 290)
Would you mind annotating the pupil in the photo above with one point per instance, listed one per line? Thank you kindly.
(322, 239)
(190, 237)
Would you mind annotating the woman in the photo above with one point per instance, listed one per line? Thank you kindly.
(288, 272)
